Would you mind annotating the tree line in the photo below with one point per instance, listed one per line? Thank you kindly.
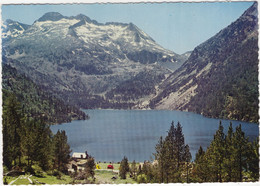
(230, 157)
(35, 101)
(29, 143)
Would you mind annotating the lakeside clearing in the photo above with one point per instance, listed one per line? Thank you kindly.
(103, 176)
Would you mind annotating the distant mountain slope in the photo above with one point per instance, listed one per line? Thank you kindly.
(220, 78)
(35, 101)
(140, 86)
(81, 60)
(12, 29)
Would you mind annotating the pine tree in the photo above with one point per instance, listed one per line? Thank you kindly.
(43, 151)
(228, 162)
(216, 154)
(253, 160)
(61, 150)
(148, 171)
(133, 169)
(187, 157)
(7, 138)
(169, 158)
(200, 170)
(227, 158)
(240, 150)
(28, 142)
(90, 167)
(178, 153)
(172, 155)
(179, 146)
(12, 121)
(124, 168)
(160, 156)
(199, 155)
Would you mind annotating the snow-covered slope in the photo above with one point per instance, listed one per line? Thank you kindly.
(12, 29)
(79, 58)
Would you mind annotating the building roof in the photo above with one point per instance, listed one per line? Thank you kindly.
(78, 155)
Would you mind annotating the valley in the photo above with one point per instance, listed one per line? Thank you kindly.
(86, 60)
(88, 102)
(117, 65)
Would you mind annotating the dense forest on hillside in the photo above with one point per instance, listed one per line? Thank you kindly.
(36, 102)
(141, 85)
(28, 143)
(89, 101)
(220, 77)
(231, 90)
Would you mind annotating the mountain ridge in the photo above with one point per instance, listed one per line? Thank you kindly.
(193, 87)
(117, 65)
(83, 59)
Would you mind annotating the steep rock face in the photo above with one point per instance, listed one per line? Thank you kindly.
(220, 77)
(80, 59)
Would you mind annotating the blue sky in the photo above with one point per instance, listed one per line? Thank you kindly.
(179, 27)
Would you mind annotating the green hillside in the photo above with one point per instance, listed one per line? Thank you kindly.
(36, 102)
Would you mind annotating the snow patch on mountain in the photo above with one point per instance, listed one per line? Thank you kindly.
(81, 59)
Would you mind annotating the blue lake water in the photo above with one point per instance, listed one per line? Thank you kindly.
(109, 135)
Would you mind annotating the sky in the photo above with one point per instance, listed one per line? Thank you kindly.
(179, 27)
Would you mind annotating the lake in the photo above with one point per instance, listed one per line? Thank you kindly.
(109, 135)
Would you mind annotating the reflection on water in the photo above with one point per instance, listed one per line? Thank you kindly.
(111, 134)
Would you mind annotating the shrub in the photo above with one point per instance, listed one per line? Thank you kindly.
(141, 178)
(57, 174)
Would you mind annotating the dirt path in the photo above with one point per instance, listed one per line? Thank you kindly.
(30, 179)
(117, 171)
(14, 181)
(22, 177)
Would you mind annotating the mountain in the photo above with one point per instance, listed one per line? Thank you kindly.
(220, 77)
(51, 16)
(117, 65)
(84, 62)
(36, 102)
(13, 29)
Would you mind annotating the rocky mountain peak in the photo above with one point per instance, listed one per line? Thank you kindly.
(85, 18)
(51, 16)
(132, 27)
(252, 11)
(138, 34)
(9, 21)
(11, 24)
(12, 28)
(83, 59)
